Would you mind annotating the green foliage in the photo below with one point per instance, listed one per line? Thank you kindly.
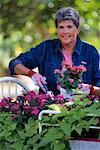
(14, 137)
(72, 118)
(25, 23)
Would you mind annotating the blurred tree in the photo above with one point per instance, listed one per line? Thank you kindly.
(25, 23)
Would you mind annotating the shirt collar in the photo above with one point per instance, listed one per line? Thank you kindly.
(77, 48)
(58, 46)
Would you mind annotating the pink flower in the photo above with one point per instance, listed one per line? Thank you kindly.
(71, 80)
(81, 68)
(35, 111)
(57, 71)
(63, 69)
(62, 75)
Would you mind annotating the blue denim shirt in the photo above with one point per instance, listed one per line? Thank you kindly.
(48, 56)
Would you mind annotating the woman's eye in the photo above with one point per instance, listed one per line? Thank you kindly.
(60, 27)
(70, 27)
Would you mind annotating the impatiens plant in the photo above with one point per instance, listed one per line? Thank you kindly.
(25, 106)
(70, 76)
(19, 129)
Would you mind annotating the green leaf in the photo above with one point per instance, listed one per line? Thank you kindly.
(55, 107)
(12, 138)
(18, 145)
(66, 128)
(51, 135)
(31, 128)
(5, 134)
(79, 129)
(21, 133)
(33, 140)
(59, 145)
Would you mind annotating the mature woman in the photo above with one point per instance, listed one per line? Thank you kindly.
(48, 55)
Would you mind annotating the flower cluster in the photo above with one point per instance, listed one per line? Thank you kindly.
(70, 76)
(28, 105)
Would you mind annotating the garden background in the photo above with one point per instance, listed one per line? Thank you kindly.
(25, 23)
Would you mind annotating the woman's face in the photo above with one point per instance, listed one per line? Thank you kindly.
(67, 32)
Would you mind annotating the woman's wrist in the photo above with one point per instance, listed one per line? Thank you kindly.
(31, 73)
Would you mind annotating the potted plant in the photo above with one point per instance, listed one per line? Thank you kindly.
(69, 79)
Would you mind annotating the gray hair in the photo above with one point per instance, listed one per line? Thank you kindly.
(67, 13)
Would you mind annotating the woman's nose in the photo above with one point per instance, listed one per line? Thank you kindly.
(65, 30)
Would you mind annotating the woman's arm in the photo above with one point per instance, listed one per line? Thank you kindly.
(96, 90)
(21, 69)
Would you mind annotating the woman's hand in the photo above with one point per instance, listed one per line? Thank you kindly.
(39, 80)
(85, 88)
(90, 89)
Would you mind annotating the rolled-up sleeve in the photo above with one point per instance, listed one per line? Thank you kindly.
(12, 64)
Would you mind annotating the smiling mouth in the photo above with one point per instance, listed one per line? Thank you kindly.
(66, 37)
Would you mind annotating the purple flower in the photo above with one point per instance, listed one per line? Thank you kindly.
(35, 111)
(9, 99)
(28, 97)
(3, 102)
(16, 106)
(26, 107)
(43, 101)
